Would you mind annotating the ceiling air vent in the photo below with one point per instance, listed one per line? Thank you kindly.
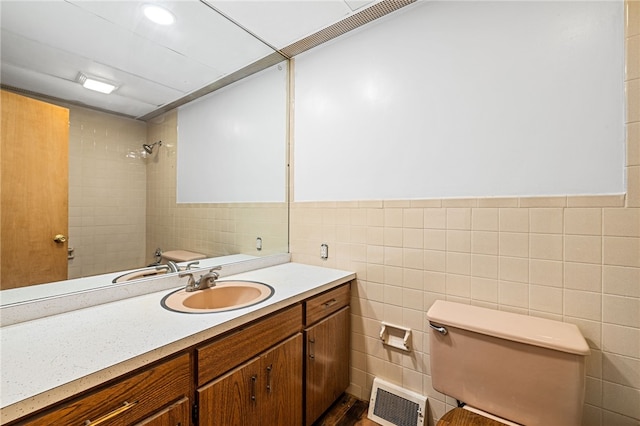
(354, 21)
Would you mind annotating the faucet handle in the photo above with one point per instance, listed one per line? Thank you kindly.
(191, 283)
(212, 272)
(209, 279)
(194, 263)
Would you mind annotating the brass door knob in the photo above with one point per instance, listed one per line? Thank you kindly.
(59, 238)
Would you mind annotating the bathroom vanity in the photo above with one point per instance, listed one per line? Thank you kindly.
(283, 361)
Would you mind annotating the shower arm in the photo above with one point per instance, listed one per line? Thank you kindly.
(149, 148)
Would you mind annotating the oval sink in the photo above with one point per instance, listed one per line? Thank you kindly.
(225, 296)
(141, 273)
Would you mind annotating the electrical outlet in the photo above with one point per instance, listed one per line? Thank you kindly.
(324, 251)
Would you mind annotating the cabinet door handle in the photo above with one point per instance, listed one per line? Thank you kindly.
(254, 379)
(329, 303)
(311, 342)
(269, 369)
(124, 407)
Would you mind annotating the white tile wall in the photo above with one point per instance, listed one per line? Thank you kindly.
(107, 184)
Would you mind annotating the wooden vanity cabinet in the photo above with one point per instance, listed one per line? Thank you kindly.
(286, 368)
(156, 396)
(267, 390)
(254, 375)
(327, 341)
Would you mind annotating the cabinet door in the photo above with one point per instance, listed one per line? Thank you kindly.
(281, 393)
(264, 391)
(232, 399)
(327, 363)
(220, 356)
(177, 414)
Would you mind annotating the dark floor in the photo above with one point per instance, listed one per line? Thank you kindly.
(346, 411)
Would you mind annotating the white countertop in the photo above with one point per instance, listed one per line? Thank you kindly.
(51, 358)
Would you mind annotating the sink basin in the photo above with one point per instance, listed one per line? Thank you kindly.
(141, 273)
(225, 296)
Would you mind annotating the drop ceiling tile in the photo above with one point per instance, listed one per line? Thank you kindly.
(93, 38)
(199, 33)
(56, 64)
(73, 92)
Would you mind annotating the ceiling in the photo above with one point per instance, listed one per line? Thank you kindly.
(46, 44)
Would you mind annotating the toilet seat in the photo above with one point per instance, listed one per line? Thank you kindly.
(462, 417)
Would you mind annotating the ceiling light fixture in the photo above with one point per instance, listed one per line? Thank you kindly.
(101, 86)
(158, 14)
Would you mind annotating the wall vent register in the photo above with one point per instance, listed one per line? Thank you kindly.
(392, 405)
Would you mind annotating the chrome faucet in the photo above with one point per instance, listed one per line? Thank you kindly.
(161, 267)
(191, 264)
(173, 266)
(205, 281)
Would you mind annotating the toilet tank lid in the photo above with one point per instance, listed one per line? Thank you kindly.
(541, 332)
(182, 255)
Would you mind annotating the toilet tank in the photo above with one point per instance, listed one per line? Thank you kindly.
(181, 256)
(525, 369)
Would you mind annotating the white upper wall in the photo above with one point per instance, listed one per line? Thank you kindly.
(232, 143)
(465, 99)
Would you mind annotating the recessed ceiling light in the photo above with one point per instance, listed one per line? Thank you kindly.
(158, 14)
(97, 85)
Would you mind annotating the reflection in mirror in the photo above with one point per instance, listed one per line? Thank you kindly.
(122, 200)
(221, 226)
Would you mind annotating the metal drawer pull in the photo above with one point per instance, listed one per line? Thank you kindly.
(269, 368)
(329, 303)
(254, 378)
(438, 328)
(311, 342)
(125, 406)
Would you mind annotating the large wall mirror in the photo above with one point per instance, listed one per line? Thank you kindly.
(122, 201)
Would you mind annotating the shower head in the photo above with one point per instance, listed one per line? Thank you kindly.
(149, 148)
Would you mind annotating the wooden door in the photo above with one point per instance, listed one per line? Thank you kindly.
(281, 394)
(232, 400)
(327, 363)
(34, 187)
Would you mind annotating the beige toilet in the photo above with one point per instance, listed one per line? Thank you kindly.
(506, 368)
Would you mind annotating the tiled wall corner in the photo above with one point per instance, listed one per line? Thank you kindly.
(107, 184)
(632, 86)
(122, 203)
(211, 229)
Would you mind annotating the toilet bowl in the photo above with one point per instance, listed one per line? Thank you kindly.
(505, 367)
